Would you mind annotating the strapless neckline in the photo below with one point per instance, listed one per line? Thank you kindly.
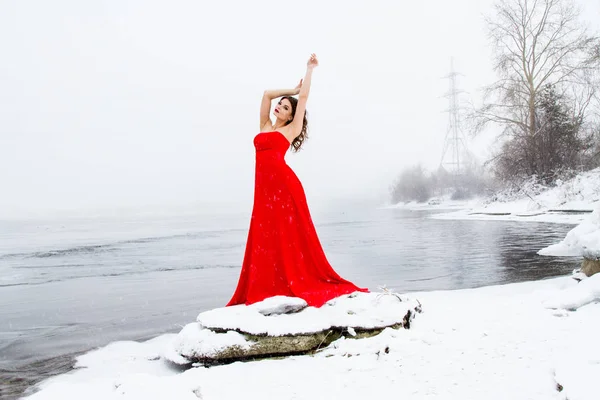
(282, 135)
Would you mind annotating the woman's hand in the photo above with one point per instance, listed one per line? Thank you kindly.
(312, 61)
(298, 87)
(304, 89)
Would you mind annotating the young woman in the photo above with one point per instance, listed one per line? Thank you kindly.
(283, 253)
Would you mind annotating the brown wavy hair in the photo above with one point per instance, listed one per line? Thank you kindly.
(298, 140)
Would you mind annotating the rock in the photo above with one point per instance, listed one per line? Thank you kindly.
(242, 332)
(270, 346)
(590, 266)
(255, 347)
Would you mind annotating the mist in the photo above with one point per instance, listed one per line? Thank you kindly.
(145, 104)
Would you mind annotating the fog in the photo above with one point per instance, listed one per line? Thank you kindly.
(131, 105)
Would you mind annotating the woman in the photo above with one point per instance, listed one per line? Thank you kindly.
(283, 253)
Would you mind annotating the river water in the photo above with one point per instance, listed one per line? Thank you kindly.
(67, 286)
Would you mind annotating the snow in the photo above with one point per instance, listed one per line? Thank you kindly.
(584, 239)
(436, 203)
(279, 305)
(575, 297)
(358, 310)
(516, 341)
(513, 213)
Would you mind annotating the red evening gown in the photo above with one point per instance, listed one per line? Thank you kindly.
(283, 253)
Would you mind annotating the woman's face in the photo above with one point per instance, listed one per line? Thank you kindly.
(283, 110)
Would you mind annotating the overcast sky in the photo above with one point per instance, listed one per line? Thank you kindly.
(118, 104)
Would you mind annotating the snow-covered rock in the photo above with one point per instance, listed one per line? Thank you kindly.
(583, 240)
(193, 342)
(359, 310)
(263, 329)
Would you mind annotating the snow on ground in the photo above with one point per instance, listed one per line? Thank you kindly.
(517, 341)
(532, 203)
(584, 239)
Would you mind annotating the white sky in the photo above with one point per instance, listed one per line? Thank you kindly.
(118, 104)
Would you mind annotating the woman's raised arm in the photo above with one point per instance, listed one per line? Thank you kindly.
(268, 95)
(296, 125)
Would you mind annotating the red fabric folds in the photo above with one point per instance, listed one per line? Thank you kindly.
(283, 253)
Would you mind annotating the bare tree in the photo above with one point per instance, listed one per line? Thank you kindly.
(536, 43)
(596, 51)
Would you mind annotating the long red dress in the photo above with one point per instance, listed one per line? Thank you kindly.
(283, 253)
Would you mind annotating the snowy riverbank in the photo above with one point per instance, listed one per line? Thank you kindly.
(576, 201)
(532, 340)
(568, 202)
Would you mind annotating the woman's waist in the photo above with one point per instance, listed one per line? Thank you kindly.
(269, 159)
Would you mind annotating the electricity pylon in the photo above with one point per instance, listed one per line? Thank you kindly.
(455, 152)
